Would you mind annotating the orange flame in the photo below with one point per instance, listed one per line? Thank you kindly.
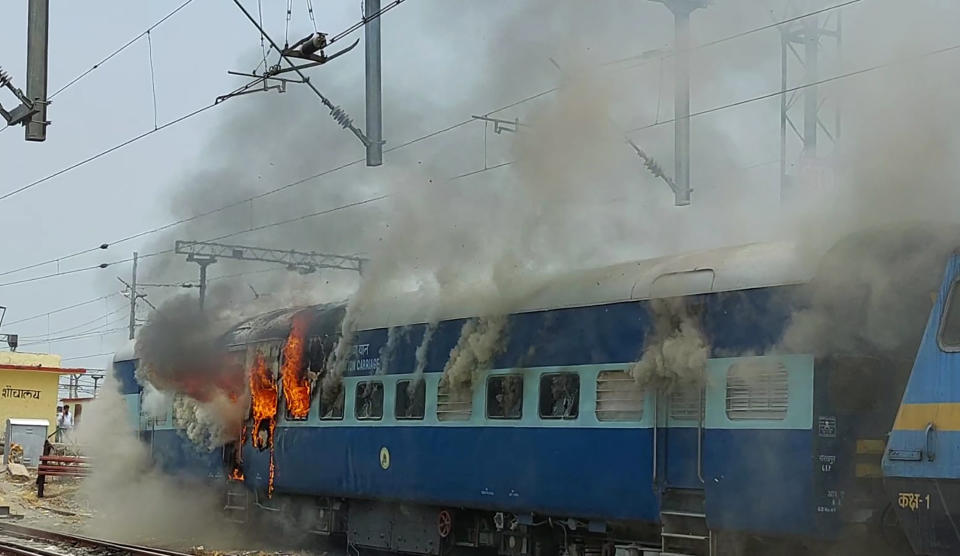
(263, 402)
(263, 405)
(236, 474)
(296, 387)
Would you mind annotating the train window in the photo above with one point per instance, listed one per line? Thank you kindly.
(368, 403)
(505, 397)
(619, 397)
(332, 411)
(686, 403)
(560, 396)
(411, 398)
(949, 336)
(453, 405)
(757, 390)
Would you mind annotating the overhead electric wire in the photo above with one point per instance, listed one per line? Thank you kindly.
(61, 309)
(76, 326)
(335, 111)
(357, 161)
(88, 356)
(89, 159)
(121, 49)
(85, 336)
(817, 83)
(741, 34)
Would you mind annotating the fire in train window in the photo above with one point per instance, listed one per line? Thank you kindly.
(332, 410)
(619, 397)
(949, 337)
(368, 404)
(757, 390)
(411, 399)
(560, 396)
(505, 397)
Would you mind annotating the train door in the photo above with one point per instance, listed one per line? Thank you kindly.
(682, 423)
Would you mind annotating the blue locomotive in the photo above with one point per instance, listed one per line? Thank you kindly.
(558, 448)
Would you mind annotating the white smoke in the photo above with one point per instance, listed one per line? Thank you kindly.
(481, 340)
(675, 352)
(208, 425)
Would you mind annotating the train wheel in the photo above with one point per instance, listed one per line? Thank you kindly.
(444, 524)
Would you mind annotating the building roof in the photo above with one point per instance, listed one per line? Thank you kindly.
(41, 368)
(77, 400)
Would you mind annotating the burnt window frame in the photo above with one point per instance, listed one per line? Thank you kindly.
(502, 377)
(540, 393)
(405, 385)
(948, 303)
(356, 393)
(321, 406)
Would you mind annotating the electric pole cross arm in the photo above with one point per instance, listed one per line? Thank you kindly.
(21, 113)
(300, 261)
(205, 253)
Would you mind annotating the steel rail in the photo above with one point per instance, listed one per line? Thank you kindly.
(53, 536)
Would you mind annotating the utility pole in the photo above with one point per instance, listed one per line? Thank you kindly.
(96, 383)
(38, 18)
(32, 110)
(373, 97)
(681, 95)
(133, 297)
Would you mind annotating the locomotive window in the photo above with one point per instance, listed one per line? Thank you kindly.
(560, 396)
(332, 411)
(410, 400)
(368, 404)
(505, 397)
(949, 337)
(757, 391)
(619, 397)
(686, 403)
(453, 405)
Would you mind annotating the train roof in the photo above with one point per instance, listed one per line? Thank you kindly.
(743, 267)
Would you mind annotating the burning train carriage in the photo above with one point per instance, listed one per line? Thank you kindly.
(555, 426)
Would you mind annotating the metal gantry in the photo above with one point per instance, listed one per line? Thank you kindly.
(803, 44)
(205, 253)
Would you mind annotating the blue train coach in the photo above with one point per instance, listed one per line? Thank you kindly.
(558, 448)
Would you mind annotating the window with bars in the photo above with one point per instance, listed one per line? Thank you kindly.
(619, 397)
(453, 405)
(757, 390)
(686, 403)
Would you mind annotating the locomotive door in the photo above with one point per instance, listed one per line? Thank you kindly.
(678, 452)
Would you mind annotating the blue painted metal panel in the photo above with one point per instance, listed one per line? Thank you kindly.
(124, 371)
(734, 323)
(760, 481)
(177, 455)
(936, 373)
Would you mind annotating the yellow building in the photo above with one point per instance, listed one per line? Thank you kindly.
(29, 384)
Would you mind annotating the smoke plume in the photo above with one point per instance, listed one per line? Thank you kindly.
(675, 352)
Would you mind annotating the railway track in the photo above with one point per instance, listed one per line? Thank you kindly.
(68, 542)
